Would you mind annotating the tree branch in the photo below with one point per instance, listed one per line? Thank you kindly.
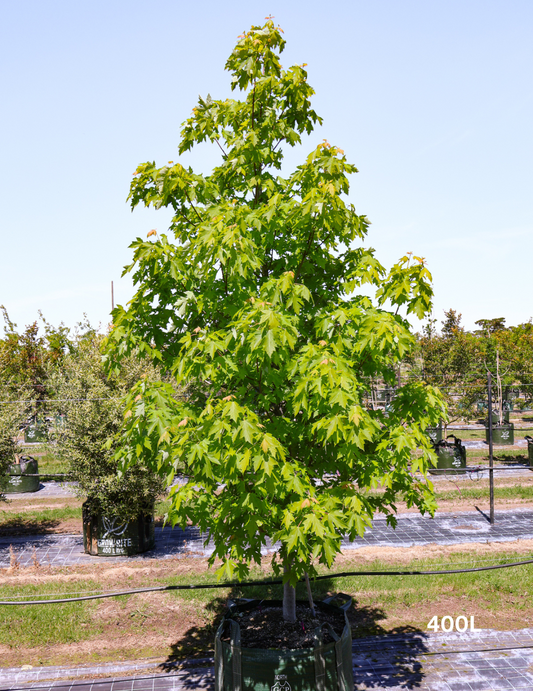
(253, 106)
(180, 211)
(220, 147)
(309, 241)
(192, 206)
(225, 277)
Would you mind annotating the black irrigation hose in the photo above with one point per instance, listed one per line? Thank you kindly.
(206, 586)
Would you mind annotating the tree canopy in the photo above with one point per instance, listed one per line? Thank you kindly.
(253, 302)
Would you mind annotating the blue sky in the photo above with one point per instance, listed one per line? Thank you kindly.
(432, 101)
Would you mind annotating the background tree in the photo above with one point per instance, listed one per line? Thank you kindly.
(451, 360)
(21, 385)
(458, 361)
(508, 353)
(254, 305)
(25, 357)
(13, 411)
(516, 344)
(487, 327)
(22, 355)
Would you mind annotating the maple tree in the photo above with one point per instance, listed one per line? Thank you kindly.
(252, 303)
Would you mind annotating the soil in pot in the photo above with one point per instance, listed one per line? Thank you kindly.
(264, 627)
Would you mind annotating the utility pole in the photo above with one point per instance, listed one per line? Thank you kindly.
(112, 297)
(491, 459)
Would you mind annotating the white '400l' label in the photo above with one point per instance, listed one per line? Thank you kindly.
(447, 624)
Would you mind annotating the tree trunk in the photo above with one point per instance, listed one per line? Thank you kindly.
(310, 596)
(289, 601)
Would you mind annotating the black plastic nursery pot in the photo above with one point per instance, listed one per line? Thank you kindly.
(326, 667)
(501, 435)
(110, 536)
(18, 482)
(451, 457)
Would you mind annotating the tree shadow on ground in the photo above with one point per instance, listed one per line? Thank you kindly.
(383, 657)
(509, 459)
(16, 527)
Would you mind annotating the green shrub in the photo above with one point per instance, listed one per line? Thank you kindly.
(92, 404)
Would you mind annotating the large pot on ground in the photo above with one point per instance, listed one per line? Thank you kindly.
(501, 434)
(18, 482)
(109, 536)
(325, 667)
(451, 457)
